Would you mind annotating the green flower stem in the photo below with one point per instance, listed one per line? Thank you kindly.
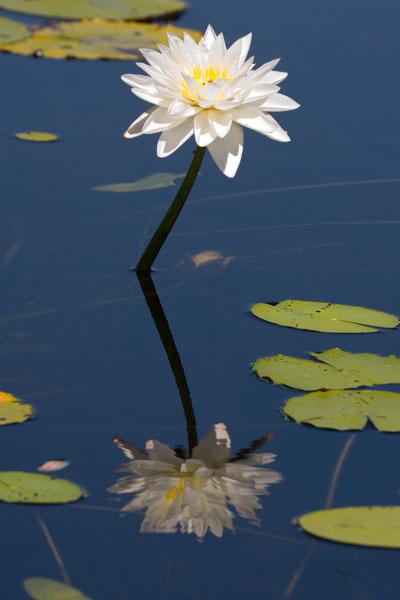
(154, 246)
(167, 340)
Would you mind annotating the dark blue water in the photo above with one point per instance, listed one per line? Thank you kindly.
(77, 339)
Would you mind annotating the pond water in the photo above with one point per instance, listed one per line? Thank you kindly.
(317, 219)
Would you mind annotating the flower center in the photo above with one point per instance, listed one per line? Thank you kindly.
(201, 77)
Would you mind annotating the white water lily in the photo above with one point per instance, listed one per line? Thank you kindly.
(193, 494)
(210, 91)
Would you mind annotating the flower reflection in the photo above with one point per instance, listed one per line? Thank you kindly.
(193, 494)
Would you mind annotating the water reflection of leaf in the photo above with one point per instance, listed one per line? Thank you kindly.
(41, 588)
(324, 316)
(151, 182)
(336, 370)
(346, 410)
(376, 526)
(192, 493)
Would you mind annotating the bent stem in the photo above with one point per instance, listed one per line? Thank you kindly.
(154, 246)
(167, 339)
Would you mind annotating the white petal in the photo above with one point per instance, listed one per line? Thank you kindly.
(137, 80)
(254, 118)
(160, 120)
(136, 128)
(236, 54)
(204, 134)
(172, 139)
(161, 452)
(278, 103)
(220, 121)
(227, 152)
(208, 38)
(148, 96)
(181, 109)
(274, 77)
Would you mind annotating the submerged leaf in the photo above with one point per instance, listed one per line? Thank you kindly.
(11, 30)
(344, 410)
(151, 182)
(376, 526)
(36, 136)
(32, 488)
(12, 410)
(336, 370)
(93, 39)
(108, 9)
(41, 588)
(205, 257)
(324, 316)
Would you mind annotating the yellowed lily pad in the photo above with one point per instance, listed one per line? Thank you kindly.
(107, 9)
(36, 136)
(375, 526)
(335, 369)
(346, 410)
(34, 488)
(324, 316)
(93, 39)
(151, 182)
(41, 588)
(11, 30)
(13, 410)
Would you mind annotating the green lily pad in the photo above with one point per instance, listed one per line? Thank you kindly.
(34, 488)
(107, 9)
(324, 316)
(346, 410)
(36, 136)
(11, 30)
(13, 411)
(375, 526)
(41, 588)
(93, 39)
(151, 182)
(336, 370)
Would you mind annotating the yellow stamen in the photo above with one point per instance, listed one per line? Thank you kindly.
(179, 489)
(202, 77)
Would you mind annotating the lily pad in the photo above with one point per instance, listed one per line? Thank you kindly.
(151, 182)
(375, 526)
(34, 488)
(93, 39)
(12, 410)
(336, 370)
(36, 136)
(41, 588)
(11, 30)
(324, 316)
(107, 9)
(346, 410)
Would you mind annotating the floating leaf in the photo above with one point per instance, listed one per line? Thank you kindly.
(324, 316)
(41, 588)
(336, 370)
(151, 182)
(344, 410)
(11, 30)
(376, 526)
(32, 488)
(108, 9)
(53, 465)
(36, 136)
(93, 39)
(12, 410)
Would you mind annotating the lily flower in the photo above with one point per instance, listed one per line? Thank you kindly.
(193, 494)
(210, 91)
